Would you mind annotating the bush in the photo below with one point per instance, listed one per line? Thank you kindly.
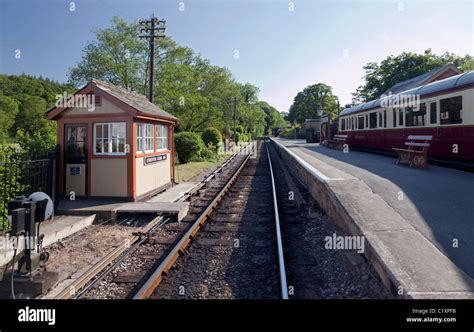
(208, 154)
(212, 137)
(239, 129)
(188, 146)
(238, 137)
(226, 131)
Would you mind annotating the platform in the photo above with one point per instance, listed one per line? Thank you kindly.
(107, 208)
(174, 193)
(180, 209)
(412, 218)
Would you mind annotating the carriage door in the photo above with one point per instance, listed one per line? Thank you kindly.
(75, 157)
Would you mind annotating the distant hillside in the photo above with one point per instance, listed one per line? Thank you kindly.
(23, 101)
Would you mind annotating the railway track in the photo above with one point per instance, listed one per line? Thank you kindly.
(242, 230)
(110, 266)
(231, 245)
(214, 267)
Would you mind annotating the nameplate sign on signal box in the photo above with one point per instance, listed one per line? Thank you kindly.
(154, 159)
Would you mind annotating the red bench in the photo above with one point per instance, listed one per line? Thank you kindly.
(417, 153)
(337, 142)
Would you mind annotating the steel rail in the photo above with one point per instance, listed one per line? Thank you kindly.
(75, 289)
(84, 279)
(154, 280)
(281, 259)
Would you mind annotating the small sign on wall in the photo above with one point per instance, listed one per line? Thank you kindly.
(154, 159)
(75, 170)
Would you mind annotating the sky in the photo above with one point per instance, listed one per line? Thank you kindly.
(283, 46)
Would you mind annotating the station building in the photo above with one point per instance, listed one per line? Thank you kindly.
(113, 143)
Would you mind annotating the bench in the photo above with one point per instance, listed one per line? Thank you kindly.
(417, 153)
(337, 142)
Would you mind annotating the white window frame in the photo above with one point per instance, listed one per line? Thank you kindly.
(428, 112)
(162, 135)
(147, 139)
(109, 138)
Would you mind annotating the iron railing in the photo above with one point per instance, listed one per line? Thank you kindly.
(22, 174)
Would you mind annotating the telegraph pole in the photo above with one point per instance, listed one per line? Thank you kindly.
(151, 29)
(235, 111)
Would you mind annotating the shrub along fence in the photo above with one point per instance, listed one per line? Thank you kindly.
(22, 174)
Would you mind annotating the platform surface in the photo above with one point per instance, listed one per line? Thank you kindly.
(174, 193)
(392, 200)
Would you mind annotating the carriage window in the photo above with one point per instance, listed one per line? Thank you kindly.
(433, 111)
(361, 122)
(380, 119)
(415, 117)
(450, 110)
(394, 112)
(343, 124)
(366, 121)
(419, 117)
(385, 118)
(401, 111)
(373, 120)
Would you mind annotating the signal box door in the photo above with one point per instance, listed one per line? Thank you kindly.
(75, 157)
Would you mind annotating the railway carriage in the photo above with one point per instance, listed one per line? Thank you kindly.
(442, 109)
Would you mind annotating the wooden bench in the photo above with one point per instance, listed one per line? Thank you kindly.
(417, 153)
(337, 142)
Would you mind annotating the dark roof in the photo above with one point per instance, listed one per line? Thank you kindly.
(135, 100)
(419, 80)
(437, 86)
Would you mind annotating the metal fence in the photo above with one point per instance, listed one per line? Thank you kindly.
(22, 174)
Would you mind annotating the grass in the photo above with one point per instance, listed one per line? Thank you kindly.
(185, 172)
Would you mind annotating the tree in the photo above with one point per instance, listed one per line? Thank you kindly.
(200, 94)
(308, 101)
(394, 69)
(118, 56)
(273, 119)
(8, 112)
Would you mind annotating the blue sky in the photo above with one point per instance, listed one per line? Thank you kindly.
(281, 50)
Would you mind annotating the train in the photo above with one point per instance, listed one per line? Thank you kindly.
(443, 109)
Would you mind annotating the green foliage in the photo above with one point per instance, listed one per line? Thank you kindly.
(200, 94)
(239, 129)
(273, 118)
(397, 68)
(308, 101)
(207, 154)
(188, 146)
(8, 112)
(244, 138)
(23, 103)
(238, 137)
(226, 131)
(117, 56)
(292, 132)
(212, 136)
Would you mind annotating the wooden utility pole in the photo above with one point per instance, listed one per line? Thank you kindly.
(235, 114)
(151, 29)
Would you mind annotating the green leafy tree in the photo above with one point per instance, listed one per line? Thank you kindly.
(273, 119)
(117, 56)
(397, 68)
(8, 112)
(307, 102)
